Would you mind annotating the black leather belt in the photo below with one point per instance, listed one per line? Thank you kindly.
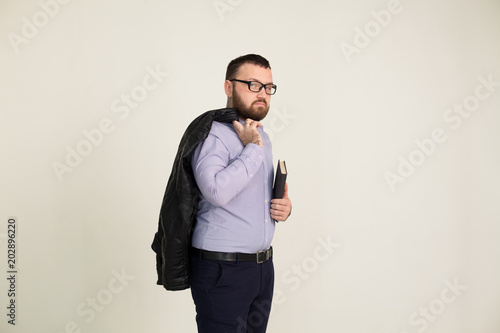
(258, 257)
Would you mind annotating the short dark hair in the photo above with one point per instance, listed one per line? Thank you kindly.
(235, 64)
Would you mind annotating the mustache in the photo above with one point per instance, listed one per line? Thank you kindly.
(260, 101)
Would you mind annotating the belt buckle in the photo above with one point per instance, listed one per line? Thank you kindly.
(258, 254)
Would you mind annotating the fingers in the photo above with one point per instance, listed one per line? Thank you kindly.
(279, 215)
(249, 123)
(248, 133)
(237, 126)
(252, 123)
(279, 204)
(280, 209)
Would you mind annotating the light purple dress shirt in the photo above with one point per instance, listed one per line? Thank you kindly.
(236, 192)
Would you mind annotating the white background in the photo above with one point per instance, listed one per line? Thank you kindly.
(342, 121)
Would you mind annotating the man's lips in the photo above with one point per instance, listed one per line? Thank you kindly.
(260, 103)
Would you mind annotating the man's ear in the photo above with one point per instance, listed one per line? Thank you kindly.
(228, 88)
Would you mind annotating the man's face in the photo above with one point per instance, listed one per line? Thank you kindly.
(250, 104)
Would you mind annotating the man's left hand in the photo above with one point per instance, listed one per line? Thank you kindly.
(281, 208)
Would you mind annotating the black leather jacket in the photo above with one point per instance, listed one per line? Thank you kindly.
(180, 205)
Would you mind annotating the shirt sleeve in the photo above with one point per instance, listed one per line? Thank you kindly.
(218, 177)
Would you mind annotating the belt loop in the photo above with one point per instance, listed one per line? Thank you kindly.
(199, 254)
(237, 257)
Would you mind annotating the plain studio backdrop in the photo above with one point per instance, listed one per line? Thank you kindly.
(387, 114)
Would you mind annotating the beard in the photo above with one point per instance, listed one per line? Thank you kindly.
(253, 112)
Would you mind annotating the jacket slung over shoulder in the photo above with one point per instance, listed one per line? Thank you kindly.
(180, 205)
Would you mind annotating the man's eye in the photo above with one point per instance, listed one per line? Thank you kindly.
(254, 85)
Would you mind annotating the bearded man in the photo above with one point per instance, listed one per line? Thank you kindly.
(231, 266)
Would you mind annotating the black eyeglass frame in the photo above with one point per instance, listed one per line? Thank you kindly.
(261, 86)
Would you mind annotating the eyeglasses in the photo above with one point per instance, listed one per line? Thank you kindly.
(256, 86)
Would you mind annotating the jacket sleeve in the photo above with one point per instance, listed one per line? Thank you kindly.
(180, 205)
(177, 218)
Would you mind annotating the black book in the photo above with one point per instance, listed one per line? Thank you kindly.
(280, 180)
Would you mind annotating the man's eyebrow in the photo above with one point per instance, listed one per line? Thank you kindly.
(254, 79)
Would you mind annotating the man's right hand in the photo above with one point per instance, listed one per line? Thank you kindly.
(248, 133)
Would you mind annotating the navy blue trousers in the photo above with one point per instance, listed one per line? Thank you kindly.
(232, 297)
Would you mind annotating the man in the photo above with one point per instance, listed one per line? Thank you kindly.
(231, 269)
